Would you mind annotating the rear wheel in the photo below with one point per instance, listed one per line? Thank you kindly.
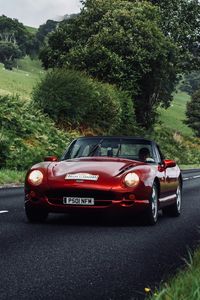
(175, 209)
(151, 214)
(35, 214)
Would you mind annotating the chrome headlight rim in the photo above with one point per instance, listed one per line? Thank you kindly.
(35, 177)
(131, 180)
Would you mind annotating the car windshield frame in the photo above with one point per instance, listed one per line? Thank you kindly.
(114, 146)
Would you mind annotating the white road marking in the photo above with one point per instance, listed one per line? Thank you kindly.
(3, 211)
(192, 177)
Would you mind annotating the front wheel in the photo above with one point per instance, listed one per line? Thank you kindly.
(151, 214)
(35, 214)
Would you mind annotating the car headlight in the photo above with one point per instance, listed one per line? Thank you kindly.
(131, 179)
(35, 177)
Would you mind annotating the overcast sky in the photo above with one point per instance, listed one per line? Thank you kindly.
(36, 12)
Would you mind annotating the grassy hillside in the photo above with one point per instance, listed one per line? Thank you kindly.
(21, 79)
(32, 30)
(173, 117)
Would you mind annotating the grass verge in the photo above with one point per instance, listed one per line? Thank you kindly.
(187, 167)
(185, 285)
(11, 177)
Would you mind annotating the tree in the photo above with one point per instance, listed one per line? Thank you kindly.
(119, 42)
(8, 53)
(44, 30)
(193, 113)
(191, 82)
(180, 20)
(14, 41)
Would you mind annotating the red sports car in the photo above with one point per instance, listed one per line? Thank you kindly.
(116, 174)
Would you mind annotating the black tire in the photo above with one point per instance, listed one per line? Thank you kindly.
(151, 214)
(35, 214)
(175, 209)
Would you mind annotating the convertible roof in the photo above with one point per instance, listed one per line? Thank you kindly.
(118, 137)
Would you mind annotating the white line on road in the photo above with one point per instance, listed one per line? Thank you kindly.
(193, 177)
(3, 211)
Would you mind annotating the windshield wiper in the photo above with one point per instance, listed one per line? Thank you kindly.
(95, 147)
(119, 149)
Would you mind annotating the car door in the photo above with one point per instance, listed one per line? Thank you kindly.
(168, 179)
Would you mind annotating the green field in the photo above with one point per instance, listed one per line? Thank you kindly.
(21, 79)
(173, 117)
(32, 30)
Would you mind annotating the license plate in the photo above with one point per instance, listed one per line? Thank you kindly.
(78, 201)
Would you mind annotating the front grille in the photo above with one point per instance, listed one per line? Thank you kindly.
(102, 198)
(82, 193)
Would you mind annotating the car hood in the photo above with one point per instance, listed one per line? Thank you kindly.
(106, 168)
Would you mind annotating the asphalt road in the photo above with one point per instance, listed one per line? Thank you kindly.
(100, 258)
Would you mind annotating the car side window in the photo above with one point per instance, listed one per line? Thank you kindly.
(160, 155)
(68, 152)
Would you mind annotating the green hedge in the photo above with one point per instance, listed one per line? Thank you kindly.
(26, 135)
(73, 100)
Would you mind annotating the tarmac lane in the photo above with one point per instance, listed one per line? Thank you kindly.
(70, 257)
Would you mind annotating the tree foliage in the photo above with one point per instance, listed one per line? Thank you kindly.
(180, 20)
(8, 53)
(44, 30)
(191, 82)
(15, 41)
(119, 42)
(193, 113)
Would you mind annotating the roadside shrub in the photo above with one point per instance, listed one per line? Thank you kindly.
(193, 113)
(127, 123)
(73, 100)
(26, 135)
(183, 149)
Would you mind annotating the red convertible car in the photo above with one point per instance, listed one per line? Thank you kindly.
(114, 174)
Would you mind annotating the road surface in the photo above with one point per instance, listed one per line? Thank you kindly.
(92, 258)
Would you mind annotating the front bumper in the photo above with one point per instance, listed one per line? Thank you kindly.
(54, 203)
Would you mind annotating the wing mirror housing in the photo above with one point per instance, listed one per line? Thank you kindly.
(167, 163)
(51, 158)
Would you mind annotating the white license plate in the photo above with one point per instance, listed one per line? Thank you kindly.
(78, 201)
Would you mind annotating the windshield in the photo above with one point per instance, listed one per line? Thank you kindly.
(135, 149)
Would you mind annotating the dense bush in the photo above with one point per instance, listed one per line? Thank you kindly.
(74, 100)
(185, 150)
(26, 135)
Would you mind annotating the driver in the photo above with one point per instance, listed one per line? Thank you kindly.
(144, 154)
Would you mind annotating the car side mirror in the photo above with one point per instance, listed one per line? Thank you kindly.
(168, 163)
(51, 158)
